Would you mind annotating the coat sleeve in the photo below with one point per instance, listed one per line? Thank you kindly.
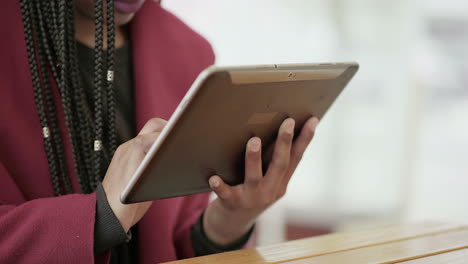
(193, 207)
(48, 230)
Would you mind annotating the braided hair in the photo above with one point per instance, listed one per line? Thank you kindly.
(52, 56)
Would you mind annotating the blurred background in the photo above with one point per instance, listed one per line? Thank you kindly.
(394, 147)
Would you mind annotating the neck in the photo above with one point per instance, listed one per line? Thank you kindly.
(84, 32)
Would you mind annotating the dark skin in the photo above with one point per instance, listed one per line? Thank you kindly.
(236, 208)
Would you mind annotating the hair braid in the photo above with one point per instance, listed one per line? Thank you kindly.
(50, 26)
(51, 8)
(83, 118)
(98, 63)
(43, 48)
(51, 48)
(38, 98)
(110, 76)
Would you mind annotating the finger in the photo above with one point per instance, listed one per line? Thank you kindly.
(142, 143)
(281, 154)
(299, 147)
(153, 125)
(222, 190)
(302, 142)
(129, 155)
(253, 162)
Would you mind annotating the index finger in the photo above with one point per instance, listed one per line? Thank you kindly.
(153, 125)
(281, 154)
(299, 147)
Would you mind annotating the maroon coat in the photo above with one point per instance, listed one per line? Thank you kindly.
(35, 226)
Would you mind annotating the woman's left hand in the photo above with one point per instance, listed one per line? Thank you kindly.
(233, 213)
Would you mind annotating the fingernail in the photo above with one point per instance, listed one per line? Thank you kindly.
(290, 127)
(313, 125)
(255, 145)
(214, 183)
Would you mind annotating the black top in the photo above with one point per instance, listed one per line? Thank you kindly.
(108, 233)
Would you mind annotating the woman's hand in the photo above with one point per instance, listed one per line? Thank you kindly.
(126, 159)
(233, 213)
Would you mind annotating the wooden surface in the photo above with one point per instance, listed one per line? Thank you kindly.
(415, 243)
(452, 257)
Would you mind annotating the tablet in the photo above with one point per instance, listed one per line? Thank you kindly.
(224, 108)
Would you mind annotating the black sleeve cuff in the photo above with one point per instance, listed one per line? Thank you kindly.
(202, 245)
(108, 232)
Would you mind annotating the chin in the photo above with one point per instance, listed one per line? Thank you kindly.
(123, 19)
(85, 8)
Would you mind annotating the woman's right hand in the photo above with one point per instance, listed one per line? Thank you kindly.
(126, 159)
